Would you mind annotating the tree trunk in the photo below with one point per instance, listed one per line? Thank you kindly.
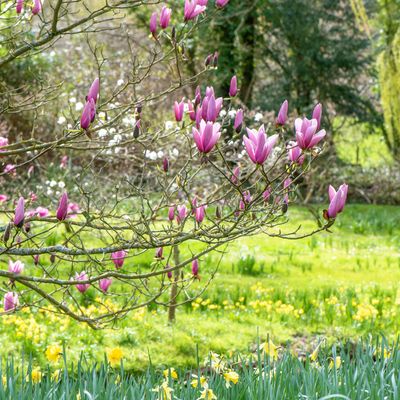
(247, 44)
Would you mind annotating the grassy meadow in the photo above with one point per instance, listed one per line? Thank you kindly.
(333, 286)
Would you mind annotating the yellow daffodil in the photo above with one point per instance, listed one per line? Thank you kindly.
(164, 390)
(195, 381)
(270, 349)
(36, 375)
(337, 362)
(170, 371)
(53, 353)
(114, 356)
(207, 394)
(55, 376)
(231, 377)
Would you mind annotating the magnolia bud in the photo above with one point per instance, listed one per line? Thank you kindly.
(165, 164)
(7, 232)
(218, 212)
(52, 258)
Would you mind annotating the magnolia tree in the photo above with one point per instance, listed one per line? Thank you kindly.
(136, 184)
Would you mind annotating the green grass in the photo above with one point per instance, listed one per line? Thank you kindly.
(364, 370)
(335, 285)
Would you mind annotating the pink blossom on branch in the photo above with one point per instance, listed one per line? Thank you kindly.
(118, 258)
(19, 214)
(153, 24)
(37, 7)
(82, 287)
(192, 9)
(165, 17)
(306, 133)
(104, 284)
(295, 154)
(282, 115)
(259, 145)
(207, 136)
(62, 209)
(317, 114)
(16, 267)
(233, 87)
(10, 301)
(337, 200)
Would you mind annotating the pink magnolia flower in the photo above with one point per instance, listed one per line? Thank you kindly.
(165, 17)
(191, 111)
(33, 196)
(282, 115)
(182, 213)
(159, 253)
(10, 301)
(82, 287)
(73, 209)
(36, 259)
(10, 169)
(3, 198)
(192, 9)
(200, 213)
(165, 164)
(20, 4)
(171, 213)
(62, 209)
(195, 268)
(64, 162)
(88, 114)
(3, 142)
(153, 23)
(317, 114)
(19, 214)
(295, 154)
(237, 125)
(221, 3)
(118, 258)
(306, 133)
(104, 284)
(178, 110)
(37, 7)
(169, 273)
(207, 136)
(94, 91)
(259, 145)
(202, 2)
(337, 200)
(266, 194)
(16, 267)
(235, 175)
(233, 87)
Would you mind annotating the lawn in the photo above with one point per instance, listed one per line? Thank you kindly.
(337, 286)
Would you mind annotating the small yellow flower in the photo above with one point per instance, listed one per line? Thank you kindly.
(4, 380)
(36, 375)
(53, 353)
(231, 376)
(114, 356)
(55, 376)
(195, 381)
(207, 394)
(118, 379)
(170, 371)
(164, 390)
(78, 396)
(270, 349)
(337, 362)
